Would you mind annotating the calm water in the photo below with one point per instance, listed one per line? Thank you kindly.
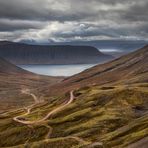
(57, 70)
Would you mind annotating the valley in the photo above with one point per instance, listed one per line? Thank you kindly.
(102, 115)
(14, 79)
(105, 106)
(73, 73)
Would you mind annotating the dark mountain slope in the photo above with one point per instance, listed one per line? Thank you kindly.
(7, 67)
(131, 68)
(19, 53)
(14, 79)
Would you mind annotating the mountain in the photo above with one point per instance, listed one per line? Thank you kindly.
(113, 47)
(103, 107)
(8, 68)
(14, 79)
(19, 53)
(131, 68)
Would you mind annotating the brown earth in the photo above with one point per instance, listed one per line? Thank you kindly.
(14, 79)
(128, 69)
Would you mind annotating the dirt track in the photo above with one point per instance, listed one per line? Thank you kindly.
(18, 118)
(30, 123)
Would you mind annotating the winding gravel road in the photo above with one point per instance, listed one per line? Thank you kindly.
(20, 119)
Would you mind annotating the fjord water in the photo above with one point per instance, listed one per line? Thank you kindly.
(57, 70)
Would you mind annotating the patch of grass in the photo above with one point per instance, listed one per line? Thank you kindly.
(95, 115)
(19, 135)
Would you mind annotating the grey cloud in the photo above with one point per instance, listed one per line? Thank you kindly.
(137, 12)
(109, 18)
(12, 25)
(20, 9)
(38, 10)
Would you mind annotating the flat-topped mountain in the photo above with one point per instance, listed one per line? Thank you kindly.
(19, 53)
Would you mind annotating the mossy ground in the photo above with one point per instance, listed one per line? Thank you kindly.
(114, 115)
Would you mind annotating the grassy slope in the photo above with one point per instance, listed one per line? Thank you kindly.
(11, 87)
(128, 69)
(112, 113)
(115, 116)
(13, 79)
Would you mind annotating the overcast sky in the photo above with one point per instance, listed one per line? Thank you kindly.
(73, 20)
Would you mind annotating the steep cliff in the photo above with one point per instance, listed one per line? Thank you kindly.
(19, 53)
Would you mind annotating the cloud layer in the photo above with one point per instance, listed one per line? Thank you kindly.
(72, 20)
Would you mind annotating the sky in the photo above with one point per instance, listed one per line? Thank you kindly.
(73, 20)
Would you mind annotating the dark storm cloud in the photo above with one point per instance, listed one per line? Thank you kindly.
(20, 9)
(61, 20)
(137, 12)
(39, 10)
(13, 25)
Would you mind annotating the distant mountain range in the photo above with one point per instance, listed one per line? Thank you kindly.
(19, 53)
(115, 47)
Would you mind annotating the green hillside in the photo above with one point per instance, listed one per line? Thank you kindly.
(110, 116)
(89, 114)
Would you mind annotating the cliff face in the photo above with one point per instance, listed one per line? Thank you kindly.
(18, 53)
